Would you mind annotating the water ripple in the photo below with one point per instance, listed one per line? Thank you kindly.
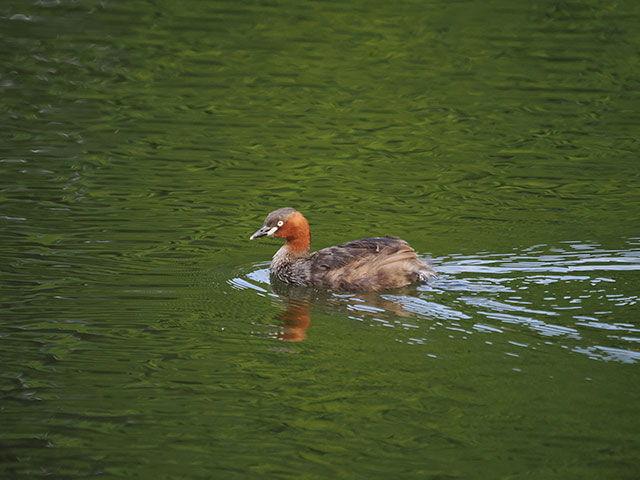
(516, 295)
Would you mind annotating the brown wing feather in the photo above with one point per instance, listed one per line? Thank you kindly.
(346, 253)
(368, 264)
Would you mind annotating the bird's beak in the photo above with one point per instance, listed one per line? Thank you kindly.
(264, 231)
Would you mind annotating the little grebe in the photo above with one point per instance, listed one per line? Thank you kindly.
(369, 264)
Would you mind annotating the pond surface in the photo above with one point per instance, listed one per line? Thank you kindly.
(143, 143)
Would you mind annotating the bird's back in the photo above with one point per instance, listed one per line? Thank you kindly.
(376, 263)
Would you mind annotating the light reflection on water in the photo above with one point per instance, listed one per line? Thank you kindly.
(534, 290)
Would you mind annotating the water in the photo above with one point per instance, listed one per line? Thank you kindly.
(143, 142)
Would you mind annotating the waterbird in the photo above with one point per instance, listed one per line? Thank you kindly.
(368, 264)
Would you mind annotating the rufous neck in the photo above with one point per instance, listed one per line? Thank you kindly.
(298, 245)
(298, 235)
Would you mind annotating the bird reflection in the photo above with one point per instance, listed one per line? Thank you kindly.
(294, 321)
(296, 318)
(298, 301)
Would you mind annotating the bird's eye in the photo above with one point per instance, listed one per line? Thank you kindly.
(280, 223)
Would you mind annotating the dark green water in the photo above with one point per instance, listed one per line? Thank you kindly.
(143, 142)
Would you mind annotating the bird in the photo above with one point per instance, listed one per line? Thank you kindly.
(368, 264)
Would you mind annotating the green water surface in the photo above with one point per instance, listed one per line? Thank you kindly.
(142, 142)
